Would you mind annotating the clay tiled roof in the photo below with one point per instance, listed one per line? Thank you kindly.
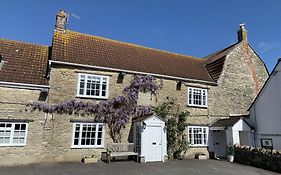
(85, 49)
(23, 62)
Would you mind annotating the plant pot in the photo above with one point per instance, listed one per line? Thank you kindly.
(230, 158)
(201, 156)
(90, 159)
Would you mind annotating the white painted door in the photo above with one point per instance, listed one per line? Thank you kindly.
(154, 144)
(220, 142)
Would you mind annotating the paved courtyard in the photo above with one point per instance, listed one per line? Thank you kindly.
(175, 167)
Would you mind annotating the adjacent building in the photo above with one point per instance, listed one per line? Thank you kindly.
(86, 67)
(265, 112)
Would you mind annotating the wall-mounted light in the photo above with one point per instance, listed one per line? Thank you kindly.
(120, 77)
(178, 85)
(165, 128)
(143, 125)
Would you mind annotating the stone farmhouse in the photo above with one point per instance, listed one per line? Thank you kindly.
(217, 90)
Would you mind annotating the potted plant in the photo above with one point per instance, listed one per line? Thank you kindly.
(230, 153)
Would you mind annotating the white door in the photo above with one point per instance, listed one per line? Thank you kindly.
(154, 144)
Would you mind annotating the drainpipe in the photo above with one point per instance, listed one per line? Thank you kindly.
(254, 138)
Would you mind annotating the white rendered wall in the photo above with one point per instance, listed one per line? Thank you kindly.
(266, 111)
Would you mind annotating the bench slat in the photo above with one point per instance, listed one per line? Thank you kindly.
(115, 154)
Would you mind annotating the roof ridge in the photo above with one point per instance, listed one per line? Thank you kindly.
(220, 51)
(136, 45)
(23, 42)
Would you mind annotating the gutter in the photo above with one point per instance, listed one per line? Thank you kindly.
(133, 72)
(42, 88)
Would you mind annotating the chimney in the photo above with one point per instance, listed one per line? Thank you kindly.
(242, 33)
(61, 21)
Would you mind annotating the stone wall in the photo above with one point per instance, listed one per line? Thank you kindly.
(261, 158)
(235, 90)
(13, 106)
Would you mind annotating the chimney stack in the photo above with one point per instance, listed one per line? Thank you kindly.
(61, 21)
(242, 33)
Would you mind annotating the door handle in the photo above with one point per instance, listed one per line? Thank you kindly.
(153, 143)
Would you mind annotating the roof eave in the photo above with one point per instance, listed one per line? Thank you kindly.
(133, 72)
(42, 88)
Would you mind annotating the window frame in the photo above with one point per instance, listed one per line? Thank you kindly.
(80, 135)
(202, 137)
(192, 100)
(12, 134)
(85, 88)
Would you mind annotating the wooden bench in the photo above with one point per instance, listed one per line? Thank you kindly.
(119, 149)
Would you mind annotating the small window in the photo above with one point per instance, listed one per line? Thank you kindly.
(95, 86)
(87, 135)
(266, 143)
(13, 134)
(198, 135)
(197, 97)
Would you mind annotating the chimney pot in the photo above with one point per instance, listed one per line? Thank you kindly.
(61, 21)
(242, 33)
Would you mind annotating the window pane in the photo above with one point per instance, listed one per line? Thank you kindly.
(6, 139)
(23, 126)
(103, 86)
(16, 134)
(15, 140)
(77, 128)
(76, 135)
(76, 141)
(99, 134)
(99, 142)
(83, 142)
(7, 133)
(103, 93)
(87, 141)
(100, 128)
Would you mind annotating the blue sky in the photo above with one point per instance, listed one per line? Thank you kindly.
(191, 27)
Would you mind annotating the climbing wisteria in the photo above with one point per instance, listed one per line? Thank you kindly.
(116, 112)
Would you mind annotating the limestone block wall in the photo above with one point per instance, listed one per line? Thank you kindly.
(12, 106)
(236, 85)
(63, 84)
